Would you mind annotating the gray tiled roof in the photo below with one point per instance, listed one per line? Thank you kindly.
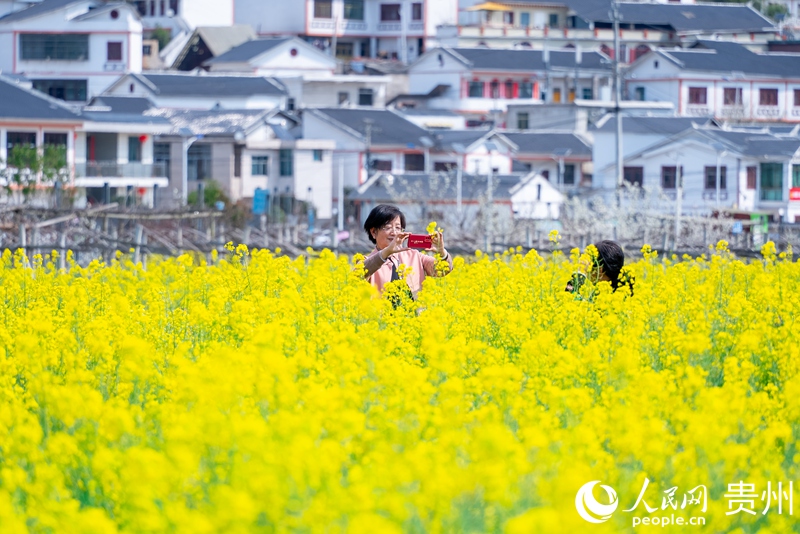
(548, 143)
(211, 122)
(714, 56)
(35, 10)
(20, 103)
(388, 128)
(529, 60)
(758, 143)
(447, 139)
(212, 85)
(221, 39)
(436, 187)
(651, 125)
(123, 104)
(702, 17)
(247, 51)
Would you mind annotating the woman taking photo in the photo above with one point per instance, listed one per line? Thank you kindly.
(385, 227)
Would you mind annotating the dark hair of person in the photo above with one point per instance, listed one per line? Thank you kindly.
(380, 216)
(611, 259)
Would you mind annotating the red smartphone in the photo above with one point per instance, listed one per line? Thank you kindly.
(422, 241)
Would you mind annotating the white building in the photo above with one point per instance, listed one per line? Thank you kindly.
(723, 80)
(71, 49)
(738, 168)
(645, 25)
(355, 28)
(308, 73)
(483, 82)
(638, 134)
(180, 16)
(203, 91)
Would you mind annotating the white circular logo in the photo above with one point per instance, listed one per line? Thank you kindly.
(591, 510)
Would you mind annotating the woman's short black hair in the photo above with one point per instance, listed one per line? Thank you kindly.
(611, 259)
(380, 216)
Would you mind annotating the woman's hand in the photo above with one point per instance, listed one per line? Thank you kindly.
(437, 240)
(395, 246)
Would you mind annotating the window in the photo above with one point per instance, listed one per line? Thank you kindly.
(147, 50)
(344, 98)
(525, 19)
(415, 162)
(69, 90)
(522, 120)
(317, 155)
(732, 96)
(526, 90)
(546, 175)
(768, 97)
(290, 104)
(286, 162)
(509, 88)
(416, 11)
(669, 177)
(655, 64)
(354, 9)
(569, 174)
(323, 9)
(553, 20)
(344, 49)
(237, 161)
(797, 98)
(571, 95)
(58, 139)
(697, 95)
(751, 177)
(173, 6)
(795, 175)
(260, 166)
(494, 89)
(772, 181)
(134, 149)
(24, 139)
(444, 166)
(508, 17)
(634, 175)
(199, 162)
(161, 157)
(711, 177)
(382, 165)
(476, 89)
(557, 95)
(639, 94)
(390, 12)
(588, 94)
(114, 51)
(365, 97)
(35, 46)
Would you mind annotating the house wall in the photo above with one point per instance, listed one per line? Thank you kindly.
(272, 16)
(123, 88)
(208, 12)
(96, 69)
(326, 93)
(667, 82)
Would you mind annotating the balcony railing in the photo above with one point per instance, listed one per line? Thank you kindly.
(523, 32)
(732, 112)
(711, 194)
(110, 169)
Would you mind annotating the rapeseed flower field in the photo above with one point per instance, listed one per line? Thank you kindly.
(256, 393)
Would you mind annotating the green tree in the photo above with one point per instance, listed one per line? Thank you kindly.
(162, 35)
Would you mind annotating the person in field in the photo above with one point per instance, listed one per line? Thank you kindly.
(386, 228)
(608, 267)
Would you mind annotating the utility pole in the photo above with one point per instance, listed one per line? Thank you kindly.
(617, 96)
